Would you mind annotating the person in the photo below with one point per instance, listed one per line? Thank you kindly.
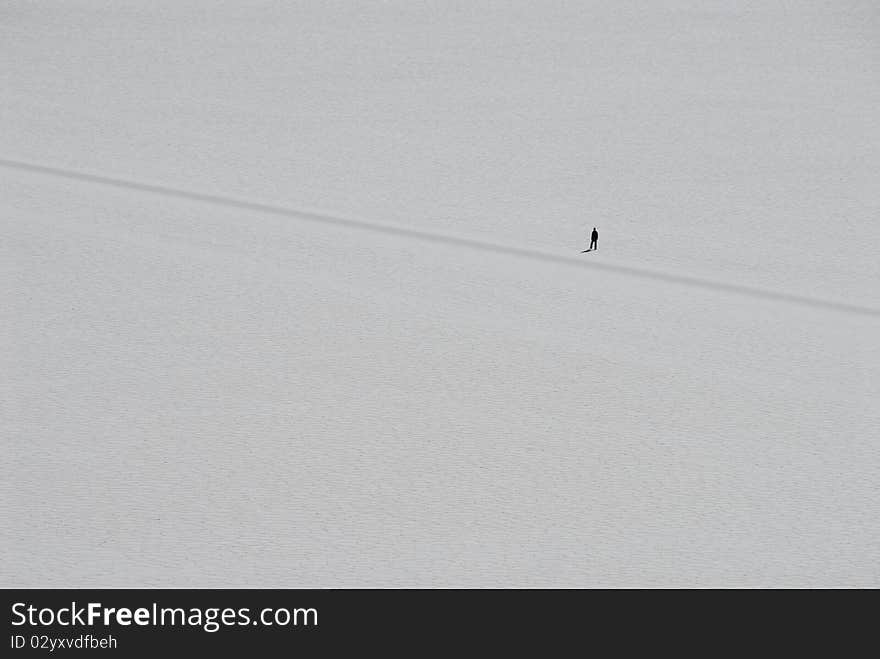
(594, 239)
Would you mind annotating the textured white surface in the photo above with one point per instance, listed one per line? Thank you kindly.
(196, 394)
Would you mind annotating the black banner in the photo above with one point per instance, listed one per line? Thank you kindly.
(146, 622)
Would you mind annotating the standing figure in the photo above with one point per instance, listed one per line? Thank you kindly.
(594, 239)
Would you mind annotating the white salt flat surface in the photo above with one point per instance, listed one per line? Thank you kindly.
(202, 392)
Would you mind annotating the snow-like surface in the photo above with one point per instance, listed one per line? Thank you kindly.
(200, 393)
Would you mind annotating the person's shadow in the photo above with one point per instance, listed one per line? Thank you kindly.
(586, 250)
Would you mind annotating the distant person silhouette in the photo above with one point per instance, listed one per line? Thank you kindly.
(594, 239)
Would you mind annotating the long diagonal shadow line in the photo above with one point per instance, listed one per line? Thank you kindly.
(444, 238)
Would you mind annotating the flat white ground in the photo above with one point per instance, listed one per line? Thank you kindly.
(198, 393)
